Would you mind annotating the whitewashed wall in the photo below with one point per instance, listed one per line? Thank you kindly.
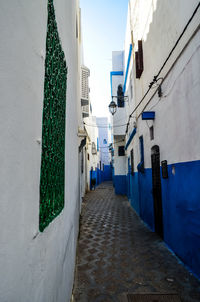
(176, 125)
(92, 130)
(175, 128)
(36, 267)
(119, 161)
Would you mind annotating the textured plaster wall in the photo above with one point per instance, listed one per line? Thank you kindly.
(36, 267)
(176, 124)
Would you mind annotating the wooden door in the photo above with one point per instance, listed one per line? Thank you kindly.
(157, 191)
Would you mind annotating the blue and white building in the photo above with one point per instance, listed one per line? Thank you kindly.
(160, 165)
(104, 139)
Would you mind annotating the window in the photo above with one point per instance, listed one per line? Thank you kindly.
(120, 96)
(139, 60)
(121, 151)
(151, 129)
(132, 162)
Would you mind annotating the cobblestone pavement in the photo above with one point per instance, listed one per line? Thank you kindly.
(118, 254)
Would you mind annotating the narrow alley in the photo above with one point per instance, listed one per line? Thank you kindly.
(100, 151)
(117, 254)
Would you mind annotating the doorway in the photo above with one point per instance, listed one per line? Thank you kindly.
(156, 190)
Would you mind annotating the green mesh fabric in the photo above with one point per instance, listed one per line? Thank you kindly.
(52, 177)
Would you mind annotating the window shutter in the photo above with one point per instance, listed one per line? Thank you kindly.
(120, 96)
(139, 60)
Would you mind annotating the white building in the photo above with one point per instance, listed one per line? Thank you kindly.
(104, 139)
(39, 178)
(92, 149)
(118, 123)
(161, 79)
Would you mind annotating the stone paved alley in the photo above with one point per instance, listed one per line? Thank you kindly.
(118, 254)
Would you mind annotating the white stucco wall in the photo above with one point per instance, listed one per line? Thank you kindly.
(150, 23)
(119, 161)
(176, 124)
(36, 267)
(94, 159)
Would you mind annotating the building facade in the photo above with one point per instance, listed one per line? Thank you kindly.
(40, 118)
(104, 138)
(162, 160)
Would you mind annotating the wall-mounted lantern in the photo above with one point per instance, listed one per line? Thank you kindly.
(112, 107)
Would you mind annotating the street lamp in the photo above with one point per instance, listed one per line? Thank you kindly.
(112, 107)
(120, 103)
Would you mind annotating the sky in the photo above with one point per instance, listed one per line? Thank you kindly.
(103, 31)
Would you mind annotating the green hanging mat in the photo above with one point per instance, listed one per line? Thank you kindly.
(52, 178)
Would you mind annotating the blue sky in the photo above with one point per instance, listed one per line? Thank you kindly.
(103, 30)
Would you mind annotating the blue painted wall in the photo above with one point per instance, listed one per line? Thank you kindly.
(101, 176)
(181, 207)
(107, 173)
(146, 197)
(113, 176)
(120, 184)
(134, 192)
(181, 212)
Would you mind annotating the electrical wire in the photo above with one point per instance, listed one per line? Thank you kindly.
(189, 21)
(112, 144)
(155, 79)
(101, 126)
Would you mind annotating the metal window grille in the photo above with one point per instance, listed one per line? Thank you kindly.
(52, 178)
